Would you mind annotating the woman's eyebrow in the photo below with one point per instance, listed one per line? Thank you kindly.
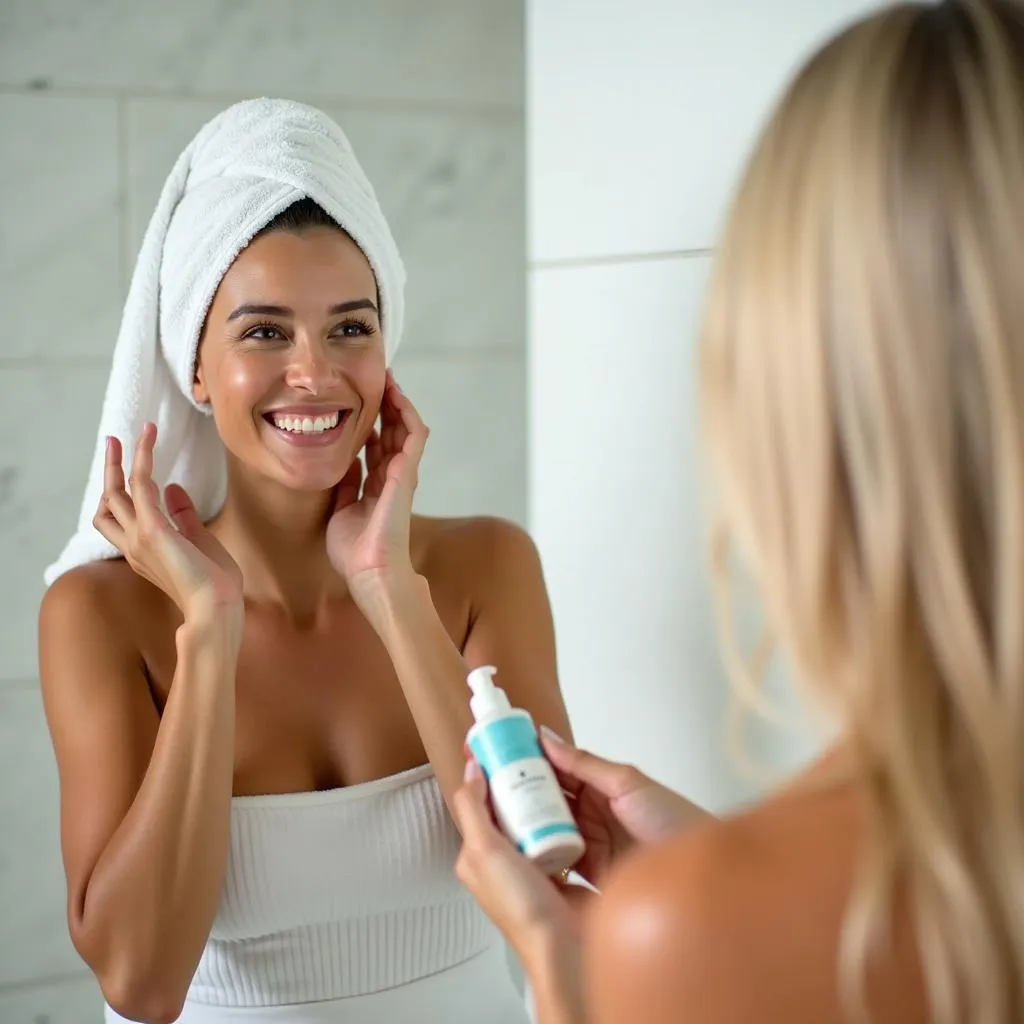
(261, 310)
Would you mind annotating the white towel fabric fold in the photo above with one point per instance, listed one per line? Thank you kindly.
(241, 170)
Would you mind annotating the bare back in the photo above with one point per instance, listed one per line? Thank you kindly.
(742, 919)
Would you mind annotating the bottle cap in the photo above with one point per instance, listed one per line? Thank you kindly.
(487, 698)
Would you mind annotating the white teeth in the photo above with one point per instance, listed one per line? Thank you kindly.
(307, 424)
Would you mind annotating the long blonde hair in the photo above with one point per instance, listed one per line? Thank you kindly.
(862, 375)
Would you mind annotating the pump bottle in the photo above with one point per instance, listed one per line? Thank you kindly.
(528, 801)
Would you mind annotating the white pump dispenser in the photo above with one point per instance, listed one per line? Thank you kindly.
(487, 699)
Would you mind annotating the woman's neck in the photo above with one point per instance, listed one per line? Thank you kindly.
(277, 537)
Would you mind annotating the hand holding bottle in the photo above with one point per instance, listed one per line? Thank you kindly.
(615, 805)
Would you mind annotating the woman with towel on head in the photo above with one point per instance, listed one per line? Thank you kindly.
(254, 761)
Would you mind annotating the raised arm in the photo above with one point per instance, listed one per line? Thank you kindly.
(510, 627)
(493, 561)
(145, 797)
(145, 801)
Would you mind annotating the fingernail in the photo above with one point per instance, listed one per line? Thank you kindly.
(470, 770)
(553, 736)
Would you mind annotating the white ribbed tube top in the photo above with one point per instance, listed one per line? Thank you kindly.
(336, 899)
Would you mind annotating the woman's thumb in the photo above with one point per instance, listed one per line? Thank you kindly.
(181, 510)
(580, 764)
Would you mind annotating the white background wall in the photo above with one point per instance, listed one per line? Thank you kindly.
(640, 114)
(96, 100)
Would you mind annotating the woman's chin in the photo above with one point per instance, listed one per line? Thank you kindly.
(313, 483)
(309, 479)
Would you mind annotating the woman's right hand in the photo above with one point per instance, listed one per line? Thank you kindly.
(616, 806)
(180, 556)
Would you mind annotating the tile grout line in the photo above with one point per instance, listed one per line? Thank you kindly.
(353, 103)
(617, 258)
(44, 981)
(36, 362)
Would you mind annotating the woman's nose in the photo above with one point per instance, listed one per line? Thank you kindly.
(310, 368)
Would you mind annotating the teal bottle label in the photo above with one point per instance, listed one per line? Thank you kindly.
(527, 799)
(503, 742)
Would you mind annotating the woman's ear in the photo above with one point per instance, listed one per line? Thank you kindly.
(199, 390)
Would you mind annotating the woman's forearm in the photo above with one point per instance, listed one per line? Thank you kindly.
(430, 670)
(152, 897)
(556, 981)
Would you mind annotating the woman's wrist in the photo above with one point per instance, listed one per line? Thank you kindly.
(553, 966)
(215, 632)
(388, 597)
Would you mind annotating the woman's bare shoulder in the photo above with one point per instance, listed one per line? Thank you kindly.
(471, 544)
(105, 594)
(739, 916)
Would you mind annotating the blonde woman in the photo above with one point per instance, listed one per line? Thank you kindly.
(862, 374)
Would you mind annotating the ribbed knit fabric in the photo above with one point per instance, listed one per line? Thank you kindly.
(339, 894)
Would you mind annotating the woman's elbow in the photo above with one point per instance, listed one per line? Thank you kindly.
(130, 992)
(141, 1002)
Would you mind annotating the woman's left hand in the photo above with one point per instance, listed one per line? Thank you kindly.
(536, 914)
(368, 534)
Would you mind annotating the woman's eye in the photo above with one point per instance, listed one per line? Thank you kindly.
(353, 329)
(265, 332)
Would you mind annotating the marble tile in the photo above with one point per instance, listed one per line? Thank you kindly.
(74, 1001)
(156, 131)
(33, 924)
(42, 473)
(447, 51)
(475, 407)
(452, 186)
(453, 189)
(61, 216)
(641, 116)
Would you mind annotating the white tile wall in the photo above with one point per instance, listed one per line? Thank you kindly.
(48, 419)
(459, 52)
(33, 919)
(96, 101)
(641, 114)
(453, 187)
(475, 462)
(75, 1000)
(60, 224)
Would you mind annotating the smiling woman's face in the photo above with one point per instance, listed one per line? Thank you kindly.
(292, 358)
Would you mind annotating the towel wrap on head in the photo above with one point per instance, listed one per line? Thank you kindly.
(246, 166)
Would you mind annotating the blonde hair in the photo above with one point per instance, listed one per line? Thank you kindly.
(862, 376)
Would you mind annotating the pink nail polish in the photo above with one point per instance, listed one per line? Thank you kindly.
(553, 736)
